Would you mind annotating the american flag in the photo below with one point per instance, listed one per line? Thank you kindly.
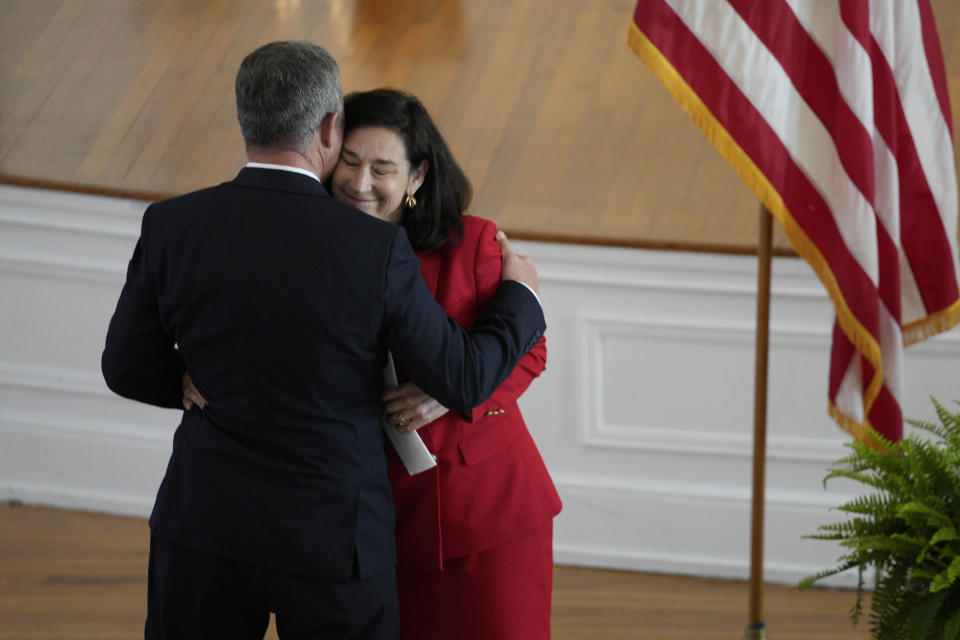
(836, 114)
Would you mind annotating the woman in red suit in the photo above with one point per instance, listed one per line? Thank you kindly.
(474, 533)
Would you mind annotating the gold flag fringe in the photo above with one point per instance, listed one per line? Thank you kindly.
(935, 323)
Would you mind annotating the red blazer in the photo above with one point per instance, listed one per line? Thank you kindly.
(490, 485)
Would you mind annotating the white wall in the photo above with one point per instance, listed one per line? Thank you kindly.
(644, 414)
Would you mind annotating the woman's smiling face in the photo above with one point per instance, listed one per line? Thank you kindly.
(374, 173)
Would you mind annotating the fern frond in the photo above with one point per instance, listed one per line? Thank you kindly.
(856, 611)
(807, 582)
(844, 529)
(870, 479)
(923, 574)
(872, 504)
(934, 474)
(930, 427)
(929, 515)
(944, 534)
(911, 543)
(950, 421)
(951, 629)
(889, 597)
(899, 545)
(920, 619)
(947, 577)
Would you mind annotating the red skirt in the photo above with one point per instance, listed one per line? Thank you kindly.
(499, 594)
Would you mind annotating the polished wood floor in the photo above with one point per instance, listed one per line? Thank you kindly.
(565, 134)
(70, 575)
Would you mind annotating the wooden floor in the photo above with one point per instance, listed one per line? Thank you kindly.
(565, 134)
(69, 575)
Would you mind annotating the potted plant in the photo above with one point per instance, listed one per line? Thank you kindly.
(907, 530)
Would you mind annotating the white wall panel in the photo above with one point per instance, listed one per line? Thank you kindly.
(644, 415)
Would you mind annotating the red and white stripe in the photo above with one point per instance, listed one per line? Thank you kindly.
(836, 112)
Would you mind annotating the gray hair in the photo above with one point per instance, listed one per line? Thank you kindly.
(284, 89)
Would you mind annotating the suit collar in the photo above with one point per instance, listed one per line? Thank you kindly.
(278, 180)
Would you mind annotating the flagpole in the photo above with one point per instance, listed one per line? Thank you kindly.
(757, 628)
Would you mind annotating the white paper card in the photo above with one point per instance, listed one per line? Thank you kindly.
(409, 446)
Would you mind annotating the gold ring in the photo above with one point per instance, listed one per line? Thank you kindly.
(401, 421)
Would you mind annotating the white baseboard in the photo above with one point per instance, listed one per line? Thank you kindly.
(81, 499)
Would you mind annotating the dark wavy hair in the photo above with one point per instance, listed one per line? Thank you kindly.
(446, 192)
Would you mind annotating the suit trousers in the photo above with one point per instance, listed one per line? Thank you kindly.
(193, 595)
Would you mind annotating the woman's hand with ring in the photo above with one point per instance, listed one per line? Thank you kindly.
(409, 408)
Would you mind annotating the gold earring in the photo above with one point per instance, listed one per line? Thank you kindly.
(411, 202)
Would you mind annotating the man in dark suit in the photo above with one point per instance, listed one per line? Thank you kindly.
(282, 303)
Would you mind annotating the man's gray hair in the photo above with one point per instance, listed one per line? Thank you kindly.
(284, 89)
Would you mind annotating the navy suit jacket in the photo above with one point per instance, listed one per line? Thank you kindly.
(281, 303)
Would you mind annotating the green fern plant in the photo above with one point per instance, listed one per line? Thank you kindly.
(907, 529)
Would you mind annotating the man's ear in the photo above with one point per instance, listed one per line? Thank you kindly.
(330, 130)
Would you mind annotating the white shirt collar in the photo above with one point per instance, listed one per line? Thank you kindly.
(282, 167)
